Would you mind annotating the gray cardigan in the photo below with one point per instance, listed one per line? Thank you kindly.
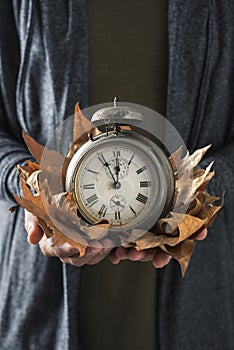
(43, 65)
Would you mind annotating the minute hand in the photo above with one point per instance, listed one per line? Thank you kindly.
(117, 169)
(104, 162)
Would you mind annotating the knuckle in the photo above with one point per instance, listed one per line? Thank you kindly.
(57, 252)
(76, 261)
(44, 251)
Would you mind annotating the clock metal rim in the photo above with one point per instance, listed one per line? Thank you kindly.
(145, 145)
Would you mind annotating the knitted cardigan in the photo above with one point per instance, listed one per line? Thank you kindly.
(44, 71)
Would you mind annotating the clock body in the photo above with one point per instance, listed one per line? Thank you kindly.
(123, 177)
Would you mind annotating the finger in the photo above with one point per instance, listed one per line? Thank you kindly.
(107, 248)
(161, 259)
(150, 255)
(146, 255)
(122, 253)
(132, 254)
(113, 258)
(202, 235)
(65, 250)
(135, 255)
(35, 232)
(48, 248)
(80, 261)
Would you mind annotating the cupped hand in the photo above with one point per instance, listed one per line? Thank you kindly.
(157, 256)
(65, 252)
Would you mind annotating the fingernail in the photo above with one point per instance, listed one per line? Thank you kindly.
(116, 262)
(30, 229)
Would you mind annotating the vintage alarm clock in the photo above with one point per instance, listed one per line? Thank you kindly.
(122, 175)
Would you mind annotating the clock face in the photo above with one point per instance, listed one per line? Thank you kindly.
(119, 180)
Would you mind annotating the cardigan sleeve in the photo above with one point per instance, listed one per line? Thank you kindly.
(12, 148)
(11, 154)
(223, 180)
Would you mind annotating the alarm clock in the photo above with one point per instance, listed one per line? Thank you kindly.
(122, 175)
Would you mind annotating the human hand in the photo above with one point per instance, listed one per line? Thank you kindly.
(65, 252)
(157, 256)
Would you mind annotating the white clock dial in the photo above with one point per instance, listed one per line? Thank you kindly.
(117, 184)
(120, 179)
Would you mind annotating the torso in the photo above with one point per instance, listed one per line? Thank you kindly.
(128, 52)
(127, 58)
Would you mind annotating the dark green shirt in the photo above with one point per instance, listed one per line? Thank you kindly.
(128, 52)
(128, 58)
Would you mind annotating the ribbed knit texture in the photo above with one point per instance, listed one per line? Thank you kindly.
(43, 65)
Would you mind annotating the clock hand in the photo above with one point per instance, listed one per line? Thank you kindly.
(118, 203)
(106, 164)
(117, 169)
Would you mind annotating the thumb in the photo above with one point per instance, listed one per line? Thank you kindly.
(34, 231)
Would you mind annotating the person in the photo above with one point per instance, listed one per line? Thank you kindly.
(44, 70)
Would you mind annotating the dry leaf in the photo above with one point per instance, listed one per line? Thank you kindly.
(181, 252)
(82, 126)
(189, 161)
(35, 205)
(35, 148)
(187, 226)
(26, 170)
(96, 232)
(33, 180)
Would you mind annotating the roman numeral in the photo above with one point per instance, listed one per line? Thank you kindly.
(92, 200)
(145, 183)
(89, 187)
(130, 161)
(141, 198)
(102, 211)
(131, 208)
(116, 153)
(117, 215)
(141, 169)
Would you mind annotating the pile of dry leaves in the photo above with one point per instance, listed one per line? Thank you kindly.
(174, 234)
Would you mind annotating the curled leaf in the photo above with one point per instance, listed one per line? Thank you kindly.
(181, 252)
(33, 181)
